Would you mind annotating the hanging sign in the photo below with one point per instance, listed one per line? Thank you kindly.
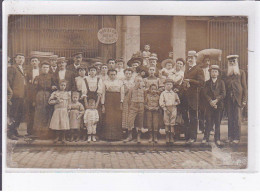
(107, 35)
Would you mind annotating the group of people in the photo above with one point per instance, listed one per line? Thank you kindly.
(103, 100)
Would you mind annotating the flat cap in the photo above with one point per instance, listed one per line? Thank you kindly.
(61, 59)
(168, 81)
(19, 54)
(77, 54)
(232, 56)
(54, 57)
(214, 67)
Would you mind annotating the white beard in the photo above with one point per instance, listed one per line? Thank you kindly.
(233, 70)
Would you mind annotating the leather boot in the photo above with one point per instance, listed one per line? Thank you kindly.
(150, 137)
(171, 139)
(167, 137)
(155, 136)
(129, 137)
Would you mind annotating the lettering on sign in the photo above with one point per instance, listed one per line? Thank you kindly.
(107, 35)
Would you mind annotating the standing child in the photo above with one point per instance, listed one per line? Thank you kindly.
(152, 112)
(91, 119)
(60, 118)
(81, 85)
(75, 114)
(168, 101)
(136, 110)
(146, 54)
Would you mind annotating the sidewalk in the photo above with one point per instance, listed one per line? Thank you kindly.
(133, 146)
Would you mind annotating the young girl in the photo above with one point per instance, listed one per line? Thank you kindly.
(60, 118)
(91, 119)
(120, 69)
(151, 79)
(80, 84)
(75, 114)
(146, 54)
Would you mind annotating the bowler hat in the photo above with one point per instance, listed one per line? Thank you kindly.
(164, 62)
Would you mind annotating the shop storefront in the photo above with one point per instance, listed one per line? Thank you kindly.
(64, 35)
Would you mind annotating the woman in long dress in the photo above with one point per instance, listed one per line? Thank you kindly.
(112, 104)
(43, 85)
(128, 83)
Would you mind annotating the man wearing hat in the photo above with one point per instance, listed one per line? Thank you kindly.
(214, 92)
(194, 81)
(77, 59)
(236, 99)
(53, 64)
(32, 72)
(16, 77)
(64, 73)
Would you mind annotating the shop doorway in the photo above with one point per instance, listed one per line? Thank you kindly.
(156, 31)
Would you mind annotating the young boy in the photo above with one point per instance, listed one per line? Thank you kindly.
(91, 119)
(214, 92)
(168, 101)
(136, 108)
(152, 112)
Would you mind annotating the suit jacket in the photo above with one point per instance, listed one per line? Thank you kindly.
(236, 84)
(212, 93)
(53, 72)
(17, 81)
(69, 77)
(196, 76)
(31, 91)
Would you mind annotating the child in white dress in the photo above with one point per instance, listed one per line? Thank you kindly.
(91, 119)
(60, 119)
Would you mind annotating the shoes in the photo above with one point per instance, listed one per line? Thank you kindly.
(218, 143)
(200, 132)
(235, 141)
(228, 140)
(94, 138)
(129, 137)
(171, 138)
(139, 137)
(212, 132)
(191, 140)
(13, 137)
(89, 138)
(204, 141)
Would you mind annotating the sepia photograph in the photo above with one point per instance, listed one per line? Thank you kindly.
(127, 92)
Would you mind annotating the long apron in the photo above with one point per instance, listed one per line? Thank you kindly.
(112, 123)
(42, 116)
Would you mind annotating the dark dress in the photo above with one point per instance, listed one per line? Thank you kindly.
(43, 110)
(112, 123)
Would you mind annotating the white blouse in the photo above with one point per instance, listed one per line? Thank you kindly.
(93, 85)
(113, 86)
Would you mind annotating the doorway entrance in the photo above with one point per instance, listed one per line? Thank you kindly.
(156, 31)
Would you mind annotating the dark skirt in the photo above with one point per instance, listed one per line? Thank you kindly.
(42, 116)
(112, 121)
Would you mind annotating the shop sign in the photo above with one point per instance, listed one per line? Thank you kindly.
(107, 35)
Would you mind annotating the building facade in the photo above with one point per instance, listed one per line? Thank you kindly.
(64, 35)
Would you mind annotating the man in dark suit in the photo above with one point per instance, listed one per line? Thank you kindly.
(77, 58)
(53, 64)
(32, 72)
(193, 81)
(63, 73)
(236, 87)
(16, 77)
(214, 93)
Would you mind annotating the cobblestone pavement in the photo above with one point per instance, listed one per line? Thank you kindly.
(62, 157)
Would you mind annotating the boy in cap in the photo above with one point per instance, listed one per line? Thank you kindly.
(168, 101)
(214, 92)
